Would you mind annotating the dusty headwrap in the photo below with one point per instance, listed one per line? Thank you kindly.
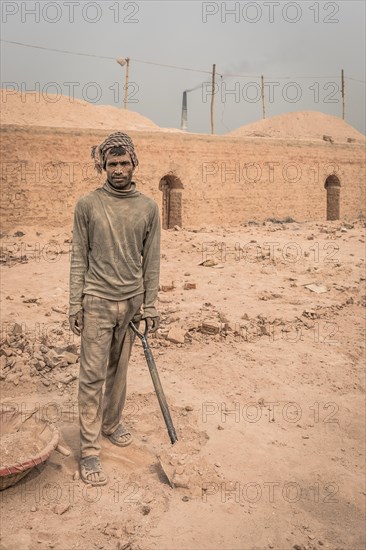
(118, 139)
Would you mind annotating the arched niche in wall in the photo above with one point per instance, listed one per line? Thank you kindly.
(333, 188)
(171, 187)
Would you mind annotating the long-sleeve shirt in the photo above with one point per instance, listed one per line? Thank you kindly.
(115, 247)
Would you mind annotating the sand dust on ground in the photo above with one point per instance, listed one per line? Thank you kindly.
(263, 375)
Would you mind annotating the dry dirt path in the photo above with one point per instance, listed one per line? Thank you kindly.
(266, 390)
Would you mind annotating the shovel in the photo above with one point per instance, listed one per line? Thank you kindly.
(156, 381)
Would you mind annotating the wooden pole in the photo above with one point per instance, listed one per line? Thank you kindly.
(343, 97)
(126, 84)
(263, 100)
(212, 99)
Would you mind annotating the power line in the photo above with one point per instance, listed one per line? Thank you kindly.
(104, 56)
(355, 79)
(230, 75)
(55, 50)
(170, 66)
(288, 77)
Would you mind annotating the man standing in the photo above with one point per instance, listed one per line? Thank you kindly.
(114, 273)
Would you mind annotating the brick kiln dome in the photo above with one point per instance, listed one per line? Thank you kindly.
(37, 109)
(304, 125)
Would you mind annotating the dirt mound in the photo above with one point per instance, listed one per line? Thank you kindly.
(306, 125)
(31, 109)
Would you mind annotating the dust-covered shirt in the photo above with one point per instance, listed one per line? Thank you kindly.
(115, 247)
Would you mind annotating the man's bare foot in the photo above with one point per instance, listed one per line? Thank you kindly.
(91, 471)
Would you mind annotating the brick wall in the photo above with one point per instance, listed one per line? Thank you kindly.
(226, 180)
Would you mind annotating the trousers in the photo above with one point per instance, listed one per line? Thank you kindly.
(106, 345)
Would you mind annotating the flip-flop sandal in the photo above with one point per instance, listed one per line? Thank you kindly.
(114, 437)
(91, 465)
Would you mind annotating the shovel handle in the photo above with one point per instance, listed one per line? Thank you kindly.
(156, 381)
(140, 334)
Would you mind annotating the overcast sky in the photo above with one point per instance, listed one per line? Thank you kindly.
(277, 39)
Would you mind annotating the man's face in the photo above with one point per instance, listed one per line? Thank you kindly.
(119, 171)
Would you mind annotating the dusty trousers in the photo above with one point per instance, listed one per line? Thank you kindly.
(106, 345)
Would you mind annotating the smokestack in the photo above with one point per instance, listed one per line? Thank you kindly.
(184, 112)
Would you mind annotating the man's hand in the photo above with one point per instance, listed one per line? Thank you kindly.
(153, 323)
(76, 322)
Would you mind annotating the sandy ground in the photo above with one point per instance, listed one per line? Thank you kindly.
(266, 390)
